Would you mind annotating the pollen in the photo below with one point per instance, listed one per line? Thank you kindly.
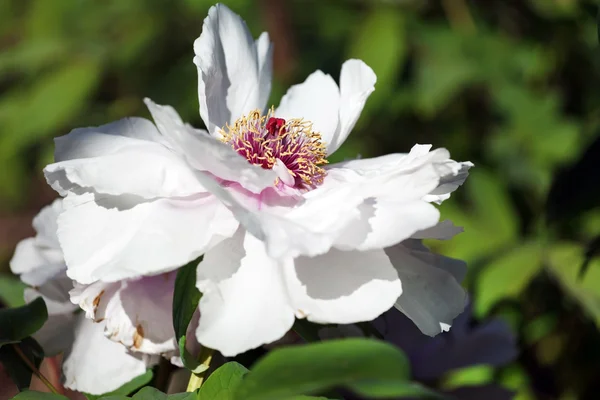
(264, 139)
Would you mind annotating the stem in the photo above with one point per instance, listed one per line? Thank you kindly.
(196, 380)
(34, 369)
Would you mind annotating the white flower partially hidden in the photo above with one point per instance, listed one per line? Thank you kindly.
(93, 363)
(283, 234)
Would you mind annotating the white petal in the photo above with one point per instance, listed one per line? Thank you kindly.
(97, 365)
(452, 175)
(244, 303)
(357, 82)
(113, 238)
(234, 72)
(137, 313)
(35, 264)
(343, 286)
(431, 295)
(125, 157)
(317, 100)
(206, 153)
(39, 259)
(264, 52)
(394, 208)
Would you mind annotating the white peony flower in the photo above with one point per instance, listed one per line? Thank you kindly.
(283, 234)
(93, 363)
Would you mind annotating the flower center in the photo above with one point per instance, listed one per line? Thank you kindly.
(263, 140)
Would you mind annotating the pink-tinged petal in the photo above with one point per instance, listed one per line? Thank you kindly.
(357, 82)
(111, 238)
(234, 72)
(137, 313)
(317, 100)
(97, 365)
(244, 303)
(124, 157)
(432, 295)
(342, 287)
(205, 153)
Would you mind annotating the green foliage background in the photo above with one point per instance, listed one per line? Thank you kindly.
(511, 85)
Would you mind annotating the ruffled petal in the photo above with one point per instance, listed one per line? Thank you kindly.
(137, 313)
(124, 157)
(39, 259)
(431, 295)
(206, 153)
(357, 82)
(317, 100)
(244, 303)
(452, 175)
(111, 238)
(234, 72)
(97, 365)
(342, 287)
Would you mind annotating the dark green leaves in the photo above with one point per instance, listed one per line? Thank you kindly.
(31, 395)
(359, 364)
(185, 303)
(19, 358)
(18, 351)
(18, 323)
(220, 384)
(149, 393)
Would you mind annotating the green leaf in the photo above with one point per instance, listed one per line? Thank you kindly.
(358, 364)
(150, 393)
(394, 388)
(18, 370)
(222, 383)
(127, 388)
(11, 290)
(32, 395)
(185, 303)
(507, 276)
(18, 323)
(563, 261)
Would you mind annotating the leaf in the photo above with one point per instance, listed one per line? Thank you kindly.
(150, 393)
(11, 290)
(222, 383)
(395, 388)
(19, 323)
(563, 261)
(33, 395)
(576, 188)
(358, 364)
(127, 388)
(185, 303)
(507, 276)
(17, 368)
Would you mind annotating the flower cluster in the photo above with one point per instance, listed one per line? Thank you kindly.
(283, 234)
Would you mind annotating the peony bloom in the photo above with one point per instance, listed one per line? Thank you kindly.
(283, 234)
(123, 311)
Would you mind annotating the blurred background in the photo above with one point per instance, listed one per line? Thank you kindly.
(511, 85)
